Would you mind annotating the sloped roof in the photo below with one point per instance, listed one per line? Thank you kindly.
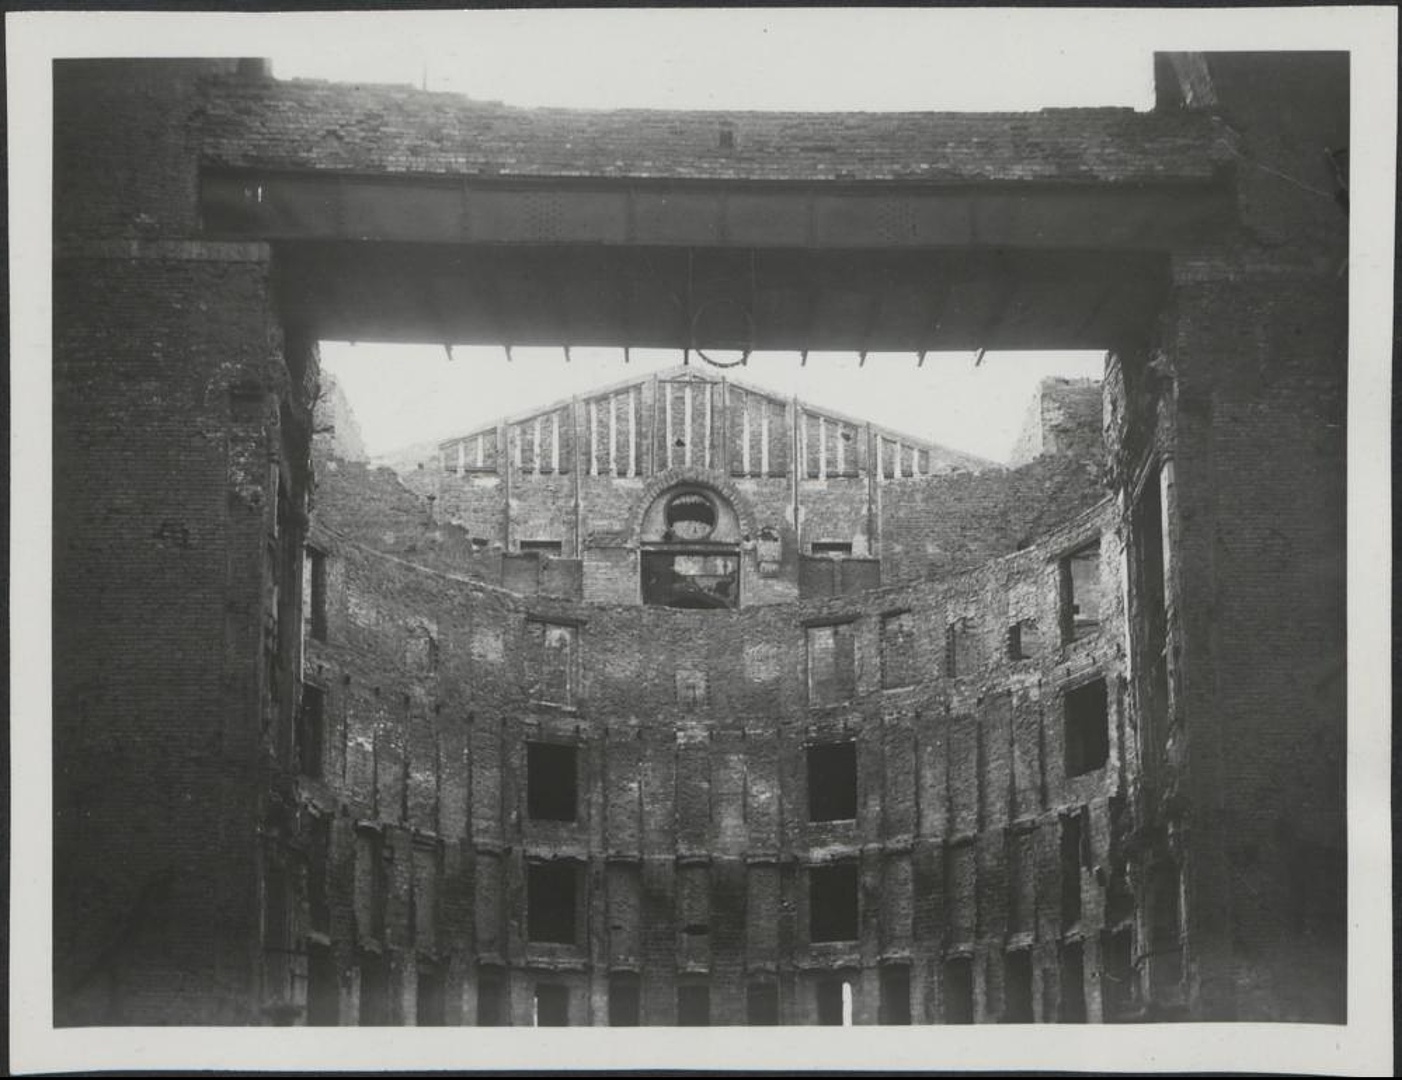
(956, 458)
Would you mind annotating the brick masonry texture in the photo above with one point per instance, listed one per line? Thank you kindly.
(267, 816)
(397, 129)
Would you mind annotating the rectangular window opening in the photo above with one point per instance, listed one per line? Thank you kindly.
(314, 571)
(832, 896)
(897, 650)
(834, 996)
(958, 990)
(552, 773)
(832, 674)
(762, 1004)
(1072, 840)
(895, 994)
(1024, 640)
(542, 547)
(959, 648)
(1080, 592)
(318, 859)
(553, 662)
(374, 992)
(693, 1005)
(1017, 987)
(839, 549)
(1073, 984)
(311, 730)
(429, 1000)
(1117, 989)
(1087, 728)
(832, 782)
(491, 998)
(550, 902)
(323, 988)
(625, 1000)
(691, 579)
(552, 1005)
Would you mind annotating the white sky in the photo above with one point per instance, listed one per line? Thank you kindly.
(404, 395)
(755, 58)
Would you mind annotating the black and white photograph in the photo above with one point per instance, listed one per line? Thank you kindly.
(678, 518)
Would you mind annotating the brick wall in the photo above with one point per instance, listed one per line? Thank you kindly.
(692, 818)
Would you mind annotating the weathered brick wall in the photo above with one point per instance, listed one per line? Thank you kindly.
(1063, 417)
(694, 812)
(1239, 405)
(946, 524)
(165, 502)
(179, 416)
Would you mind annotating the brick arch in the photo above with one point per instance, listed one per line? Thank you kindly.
(701, 477)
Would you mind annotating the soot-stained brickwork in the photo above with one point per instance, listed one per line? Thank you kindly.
(782, 733)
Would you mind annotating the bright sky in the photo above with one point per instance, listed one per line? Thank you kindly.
(755, 58)
(405, 395)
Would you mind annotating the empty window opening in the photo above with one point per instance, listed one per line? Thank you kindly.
(897, 650)
(1024, 640)
(1087, 728)
(374, 992)
(491, 998)
(323, 988)
(553, 648)
(1073, 840)
(689, 516)
(542, 547)
(832, 897)
(625, 1000)
(691, 580)
(832, 673)
(693, 1005)
(1147, 546)
(895, 994)
(1117, 984)
(835, 1001)
(1165, 943)
(551, 781)
(318, 858)
(1080, 592)
(314, 600)
(429, 1000)
(1017, 987)
(552, 1005)
(371, 883)
(959, 648)
(958, 990)
(311, 727)
(1072, 1008)
(762, 1004)
(550, 902)
(832, 782)
(836, 549)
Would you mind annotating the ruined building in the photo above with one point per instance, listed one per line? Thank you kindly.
(682, 703)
